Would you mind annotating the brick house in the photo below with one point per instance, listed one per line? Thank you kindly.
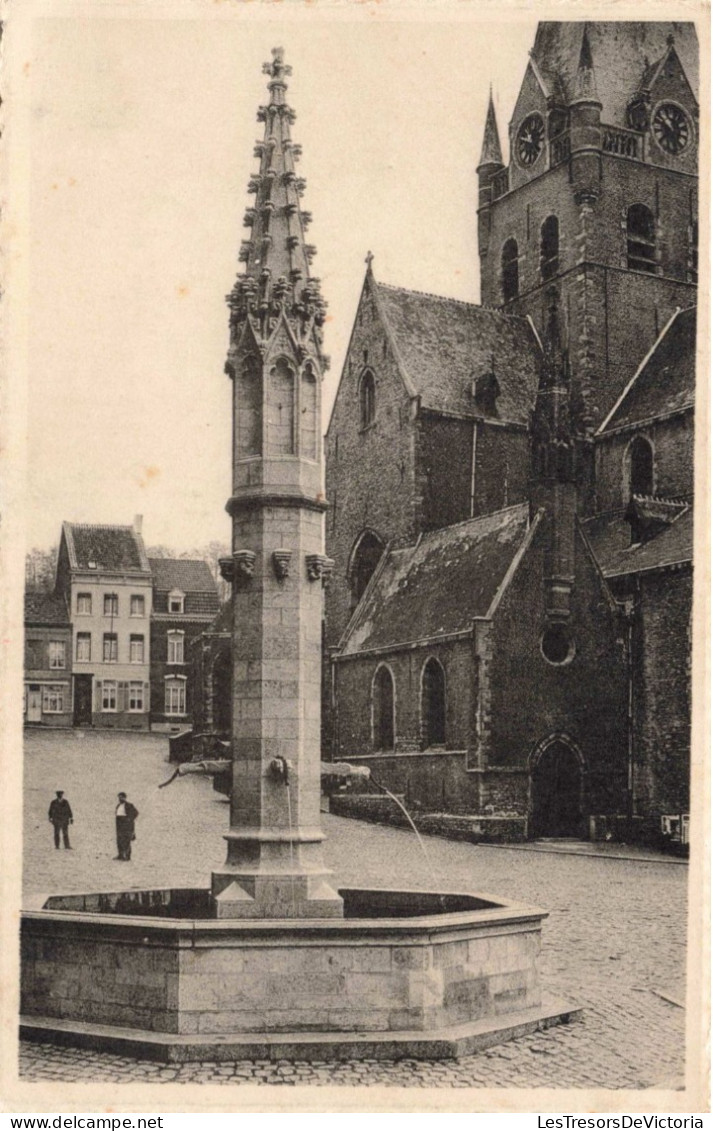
(48, 661)
(185, 602)
(509, 485)
(104, 577)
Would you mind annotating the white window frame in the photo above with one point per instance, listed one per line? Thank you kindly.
(111, 599)
(87, 597)
(110, 638)
(53, 693)
(84, 638)
(174, 683)
(57, 653)
(135, 639)
(179, 597)
(135, 691)
(174, 638)
(139, 598)
(110, 685)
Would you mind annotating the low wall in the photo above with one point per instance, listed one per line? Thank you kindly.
(455, 826)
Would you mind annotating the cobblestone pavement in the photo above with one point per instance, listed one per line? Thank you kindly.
(614, 940)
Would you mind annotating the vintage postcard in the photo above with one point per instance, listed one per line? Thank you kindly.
(354, 442)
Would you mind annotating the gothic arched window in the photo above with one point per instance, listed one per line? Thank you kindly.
(433, 704)
(641, 239)
(308, 414)
(281, 410)
(383, 709)
(365, 556)
(641, 467)
(510, 270)
(367, 399)
(248, 410)
(549, 248)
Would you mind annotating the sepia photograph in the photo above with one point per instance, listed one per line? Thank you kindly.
(351, 476)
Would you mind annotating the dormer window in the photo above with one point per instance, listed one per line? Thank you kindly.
(486, 391)
(641, 467)
(367, 399)
(176, 601)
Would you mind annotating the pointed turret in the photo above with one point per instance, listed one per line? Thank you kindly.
(585, 84)
(491, 153)
(276, 255)
(491, 162)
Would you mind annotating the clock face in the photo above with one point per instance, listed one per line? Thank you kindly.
(530, 139)
(671, 128)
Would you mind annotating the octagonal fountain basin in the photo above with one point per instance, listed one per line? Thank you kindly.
(404, 973)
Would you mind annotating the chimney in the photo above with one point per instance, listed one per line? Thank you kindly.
(138, 522)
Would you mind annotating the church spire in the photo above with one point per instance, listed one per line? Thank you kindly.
(491, 153)
(276, 256)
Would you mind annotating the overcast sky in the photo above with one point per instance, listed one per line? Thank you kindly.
(142, 134)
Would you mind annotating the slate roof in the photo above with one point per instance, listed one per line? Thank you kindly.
(665, 381)
(610, 538)
(46, 609)
(187, 574)
(437, 586)
(444, 344)
(623, 54)
(113, 548)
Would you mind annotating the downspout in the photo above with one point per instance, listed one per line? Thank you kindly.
(472, 468)
(629, 608)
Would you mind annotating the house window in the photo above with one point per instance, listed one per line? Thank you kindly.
(84, 646)
(510, 270)
(136, 649)
(549, 248)
(57, 654)
(641, 467)
(175, 696)
(641, 239)
(383, 709)
(111, 605)
(53, 698)
(109, 695)
(136, 696)
(367, 399)
(433, 704)
(175, 647)
(84, 604)
(175, 601)
(110, 654)
(138, 605)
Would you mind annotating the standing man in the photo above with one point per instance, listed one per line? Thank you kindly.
(126, 814)
(60, 816)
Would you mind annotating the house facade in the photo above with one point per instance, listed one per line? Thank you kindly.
(104, 576)
(185, 602)
(47, 699)
(510, 485)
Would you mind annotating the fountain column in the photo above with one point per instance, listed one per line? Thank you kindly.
(275, 867)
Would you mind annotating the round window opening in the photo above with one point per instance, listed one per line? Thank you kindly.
(557, 645)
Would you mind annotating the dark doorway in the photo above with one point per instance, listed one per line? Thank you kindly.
(82, 701)
(222, 692)
(557, 788)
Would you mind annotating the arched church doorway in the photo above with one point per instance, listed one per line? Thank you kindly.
(557, 791)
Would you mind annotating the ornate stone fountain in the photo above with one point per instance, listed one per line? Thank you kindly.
(274, 959)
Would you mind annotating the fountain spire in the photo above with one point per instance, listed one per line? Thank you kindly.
(274, 867)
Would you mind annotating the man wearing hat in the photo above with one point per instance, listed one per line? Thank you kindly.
(126, 814)
(60, 816)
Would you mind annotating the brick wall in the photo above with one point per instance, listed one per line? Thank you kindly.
(672, 442)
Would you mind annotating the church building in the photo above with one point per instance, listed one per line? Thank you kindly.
(510, 485)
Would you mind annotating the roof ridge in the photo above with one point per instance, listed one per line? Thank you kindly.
(500, 314)
(464, 521)
(101, 526)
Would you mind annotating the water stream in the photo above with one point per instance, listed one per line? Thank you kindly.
(408, 817)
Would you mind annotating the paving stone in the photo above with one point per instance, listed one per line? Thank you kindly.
(628, 1038)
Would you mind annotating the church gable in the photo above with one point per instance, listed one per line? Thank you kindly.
(528, 130)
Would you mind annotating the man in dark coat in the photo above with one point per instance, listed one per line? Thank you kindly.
(60, 816)
(126, 814)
